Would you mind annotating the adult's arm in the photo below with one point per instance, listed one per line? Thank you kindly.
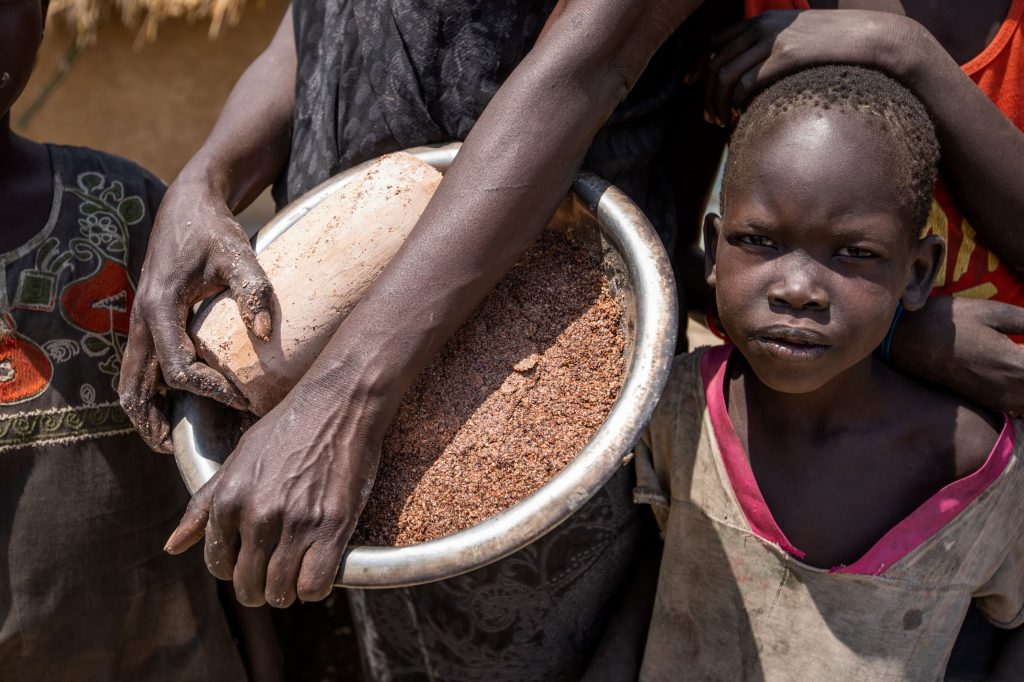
(965, 345)
(197, 248)
(982, 150)
(285, 502)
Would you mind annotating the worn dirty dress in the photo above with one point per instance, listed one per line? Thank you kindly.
(734, 600)
(86, 591)
(376, 76)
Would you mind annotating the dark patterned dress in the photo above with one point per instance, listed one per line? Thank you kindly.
(86, 591)
(376, 76)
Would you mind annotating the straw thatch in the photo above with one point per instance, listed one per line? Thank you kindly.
(82, 17)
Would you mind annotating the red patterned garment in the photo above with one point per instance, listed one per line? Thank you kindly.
(86, 590)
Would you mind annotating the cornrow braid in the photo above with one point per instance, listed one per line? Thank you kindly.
(886, 104)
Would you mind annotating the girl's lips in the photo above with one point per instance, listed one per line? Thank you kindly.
(790, 349)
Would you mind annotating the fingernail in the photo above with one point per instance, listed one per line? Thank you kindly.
(169, 545)
(707, 117)
(261, 325)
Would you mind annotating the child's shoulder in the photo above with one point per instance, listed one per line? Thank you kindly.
(956, 423)
(976, 433)
(686, 372)
(72, 162)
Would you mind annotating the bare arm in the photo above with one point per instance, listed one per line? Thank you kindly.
(248, 146)
(197, 248)
(300, 476)
(515, 166)
(982, 150)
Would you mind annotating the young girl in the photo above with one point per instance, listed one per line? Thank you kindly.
(824, 515)
(85, 591)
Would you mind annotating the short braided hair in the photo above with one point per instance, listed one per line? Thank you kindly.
(883, 102)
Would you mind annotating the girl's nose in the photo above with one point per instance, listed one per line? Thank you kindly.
(798, 287)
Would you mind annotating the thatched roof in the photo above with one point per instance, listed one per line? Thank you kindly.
(83, 16)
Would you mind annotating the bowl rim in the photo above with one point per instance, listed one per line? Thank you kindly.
(610, 448)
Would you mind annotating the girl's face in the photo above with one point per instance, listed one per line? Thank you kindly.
(21, 30)
(814, 252)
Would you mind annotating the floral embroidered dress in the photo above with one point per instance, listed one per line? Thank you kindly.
(86, 591)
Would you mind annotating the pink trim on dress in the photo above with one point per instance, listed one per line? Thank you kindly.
(906, 536)
(737, 464)
(937, 511)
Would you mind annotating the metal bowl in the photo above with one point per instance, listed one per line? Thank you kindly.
(601, 217)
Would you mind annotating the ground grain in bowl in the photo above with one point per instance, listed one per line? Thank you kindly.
(510, 400)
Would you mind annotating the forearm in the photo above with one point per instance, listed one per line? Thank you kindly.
(515, 166)
(982, 150)
(249, 145)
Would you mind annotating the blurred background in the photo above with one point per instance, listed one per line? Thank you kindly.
(144, 79)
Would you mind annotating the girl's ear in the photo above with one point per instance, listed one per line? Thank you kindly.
(926, 258)
(712, 228)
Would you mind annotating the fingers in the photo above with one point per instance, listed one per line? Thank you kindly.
(181, 370)
(725, 84)
(193, 522)
(251, 290)
(250, 574)
(222, 539)
(1009, 319)
(717, 71)
(292, 572)
(729, 33)
(138, 388)
(319, 569)
(283, 573)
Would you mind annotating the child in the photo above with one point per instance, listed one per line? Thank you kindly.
(86, 591)
(824, 515)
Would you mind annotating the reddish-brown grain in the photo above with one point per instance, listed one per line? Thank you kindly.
(509, 401)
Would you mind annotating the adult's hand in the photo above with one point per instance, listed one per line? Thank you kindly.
(965, 345)
(280, 511)
(278, 517)
(196, 249)
(752, 54)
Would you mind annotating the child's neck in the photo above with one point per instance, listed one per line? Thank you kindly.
(852, 398)
(26, 187)
(15, 150)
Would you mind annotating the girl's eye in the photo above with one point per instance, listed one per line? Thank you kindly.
(854, 252)
(756, 240)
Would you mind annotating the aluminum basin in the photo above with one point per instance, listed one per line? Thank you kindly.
(602, 218)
